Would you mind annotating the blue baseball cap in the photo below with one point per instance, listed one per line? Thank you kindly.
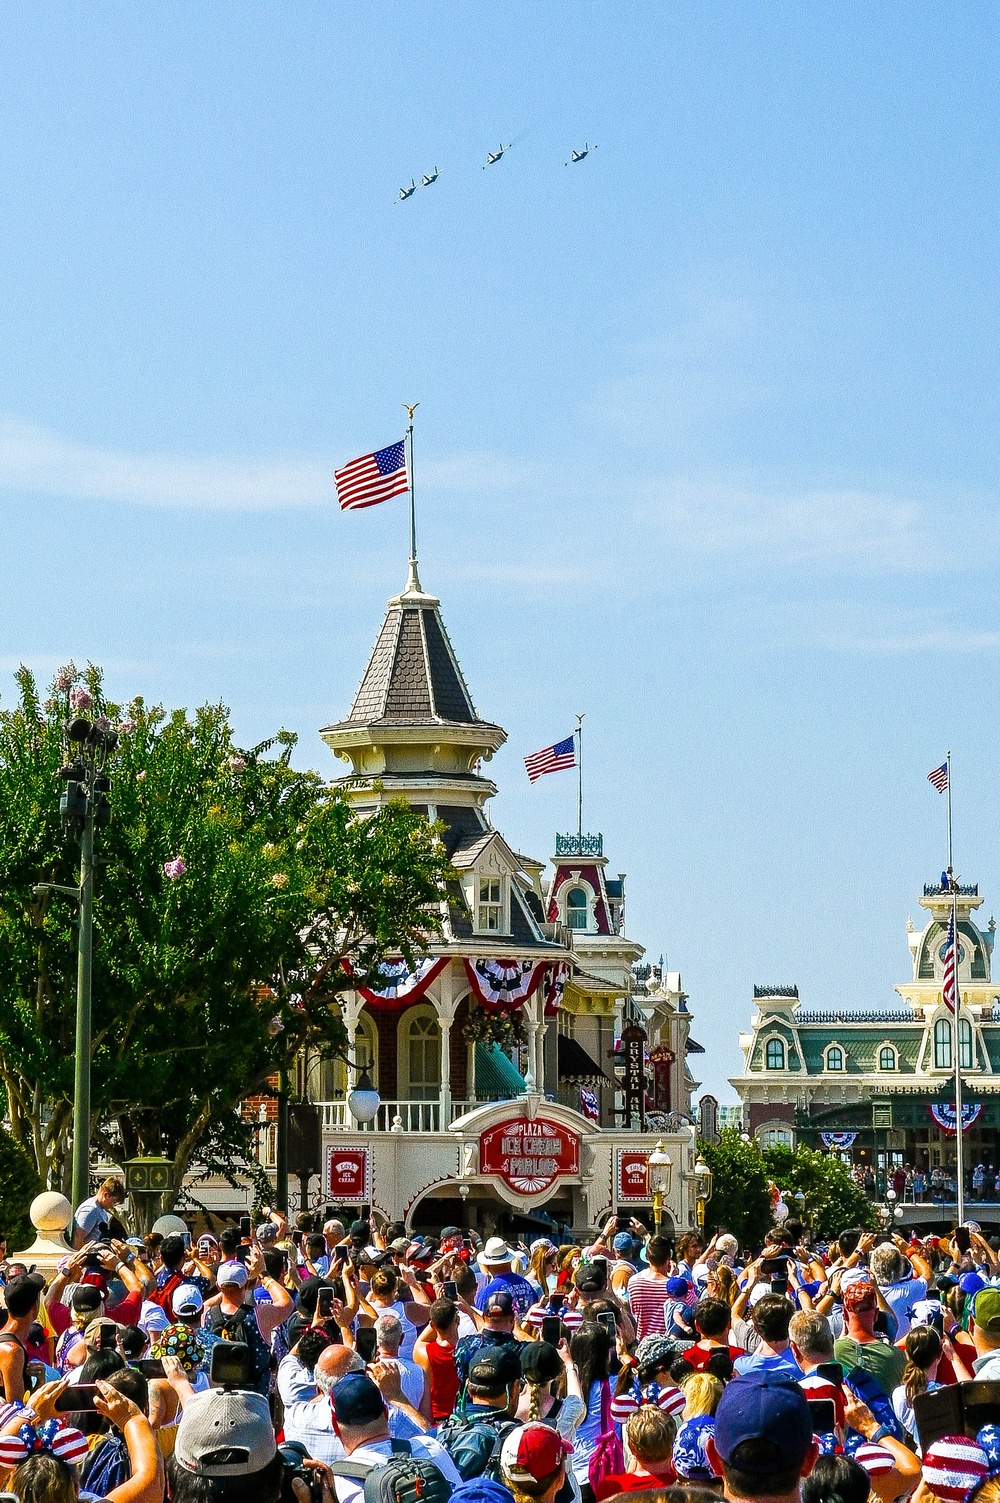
(971, 1283)
(677, 1287)
(623, 1244)
(762, 1406)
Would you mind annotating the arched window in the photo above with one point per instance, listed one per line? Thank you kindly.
(422, 1055)
(942, 1044)
(887, 1058)
(835, 1057)
(775, 1057)
(576, 908)
(964, 1044)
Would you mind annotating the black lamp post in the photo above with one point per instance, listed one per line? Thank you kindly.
(84, 806)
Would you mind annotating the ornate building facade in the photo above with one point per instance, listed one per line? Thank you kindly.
(531, 1123)
(877, 1085)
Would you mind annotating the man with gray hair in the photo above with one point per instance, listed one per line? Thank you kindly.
(310, 1421)
(389, 1336)
(811, 1337)
(901, 1276)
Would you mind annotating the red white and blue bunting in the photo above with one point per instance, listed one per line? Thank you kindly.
(944, 1115)
(556, 978)
(403, 986)
(503, 984)
(589, 1105)
(838, 1140)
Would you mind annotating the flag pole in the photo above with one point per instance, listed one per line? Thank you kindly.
(412, 582)
(579, 785)
(956, 948)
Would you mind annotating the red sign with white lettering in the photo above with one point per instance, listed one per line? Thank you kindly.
(633, 1174)
(348, 1178)
(529, 1156)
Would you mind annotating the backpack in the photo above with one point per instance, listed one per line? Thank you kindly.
(163, 1297)
(238, 1327)
(608, 1457)
(473, 1442)
(403, 1478)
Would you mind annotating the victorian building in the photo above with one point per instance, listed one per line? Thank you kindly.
(497, 1061)
(878, 1086)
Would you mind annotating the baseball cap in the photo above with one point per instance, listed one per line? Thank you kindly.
(361, 1231)
(986, 1310)
(232, 1272)
(398, 1244)
(540, 1362)
(622, 1243)
(925, 1312)
(678, 1286)
(494, 1367)
(530, 1453)
(187, 1300)
(761, 1406)
(971, 1283)
(500, 1302)
(356, 1400)
(92, 1335)
(86, 1297)
(450, 1231)
(953, 1465)
(267, 1234)
(225, 1433)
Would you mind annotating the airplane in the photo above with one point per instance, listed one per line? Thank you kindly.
(578, 156)
(494, 156)
(406, 192)
(429, 177)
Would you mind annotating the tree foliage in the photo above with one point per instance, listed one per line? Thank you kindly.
(230, 889)
(19, 1184)
(740, 1200)
(833, 1201)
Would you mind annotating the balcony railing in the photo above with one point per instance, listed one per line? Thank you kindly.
(935, 890)
(579, 845)
(415, 1116)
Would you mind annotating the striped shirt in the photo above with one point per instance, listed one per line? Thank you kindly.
(646, 1293)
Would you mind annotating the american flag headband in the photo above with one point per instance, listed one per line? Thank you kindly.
(51, 1439)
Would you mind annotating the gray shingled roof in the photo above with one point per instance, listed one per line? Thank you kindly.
(412, 676)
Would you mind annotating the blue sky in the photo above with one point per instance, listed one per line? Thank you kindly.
(707, 436)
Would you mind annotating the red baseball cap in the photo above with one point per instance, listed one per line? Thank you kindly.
(532, 1452)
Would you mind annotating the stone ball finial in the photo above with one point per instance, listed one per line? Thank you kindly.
(50, 1213)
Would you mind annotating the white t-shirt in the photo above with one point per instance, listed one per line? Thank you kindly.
(92, 1219)
(377, 1452)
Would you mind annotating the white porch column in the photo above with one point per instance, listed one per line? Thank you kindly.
(446, 1017)
(351, 1009)
(533, 1073)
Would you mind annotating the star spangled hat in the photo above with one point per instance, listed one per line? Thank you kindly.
(875, 1459)
(666, 1396)
(952, 1465)
(54, 1439)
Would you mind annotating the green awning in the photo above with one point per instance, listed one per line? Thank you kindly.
(497, 1078)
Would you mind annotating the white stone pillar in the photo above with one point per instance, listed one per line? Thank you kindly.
(351, 1010)
(446, 1017)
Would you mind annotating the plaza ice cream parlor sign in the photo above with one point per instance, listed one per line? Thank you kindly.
(529, 1156)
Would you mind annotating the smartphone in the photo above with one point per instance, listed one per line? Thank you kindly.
(963, 1239)
(557, 1302)
(204, 1249)
(824, 1415)
(324, 1304)
(772, 1268)
(150, 1367)
(364, 1213)
(366, 1343)
(92, 1262)
(450, 1289)
(246, 1226)
(76, 1398)
(467, 1243)
(832, 1372)
(186, 1239)
(230, 1366)
(552, 1329)
(241, 1254)
(606, 1318)
(779, 1286)
(600, 1263)
(34, 1376)
(297, 1238)
(107, 1338)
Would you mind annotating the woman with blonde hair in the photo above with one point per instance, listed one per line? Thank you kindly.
(702, 1393)
(543, 1267)
(722, 1284)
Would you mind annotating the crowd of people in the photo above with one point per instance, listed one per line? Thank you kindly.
(912, 1184)
(352, 1363)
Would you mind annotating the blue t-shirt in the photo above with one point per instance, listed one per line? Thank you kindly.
(513, 1284)
(784, 1365)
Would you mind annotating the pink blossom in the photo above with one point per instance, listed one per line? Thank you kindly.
(237, 764)
(175, 868)
(275, 1027)
(126, 727)
(80, 698)
(64, 680)
(102, 723)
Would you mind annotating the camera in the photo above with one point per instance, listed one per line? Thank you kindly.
(230, 1365)
(293, 1455)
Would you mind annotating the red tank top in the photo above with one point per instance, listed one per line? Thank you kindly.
(444, 1377)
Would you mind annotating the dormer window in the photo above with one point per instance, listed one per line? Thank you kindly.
(577, 908)
(491, 916)
(887, 1057)
(774, 1057)
(835, 1058)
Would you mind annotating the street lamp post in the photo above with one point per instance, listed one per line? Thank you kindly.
(84, 806)
(364, 1100)
(660, 1168)
(703, 1182)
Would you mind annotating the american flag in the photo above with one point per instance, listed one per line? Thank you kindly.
(373, 478)
(589, 1105)
(553, 759)
(948, 985)
(939, 777)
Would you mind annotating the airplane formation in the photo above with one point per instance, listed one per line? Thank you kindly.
(492, 157)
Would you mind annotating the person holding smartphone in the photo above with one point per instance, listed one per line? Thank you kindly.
(546, 1370)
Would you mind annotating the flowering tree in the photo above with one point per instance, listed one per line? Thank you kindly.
(229, 889)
